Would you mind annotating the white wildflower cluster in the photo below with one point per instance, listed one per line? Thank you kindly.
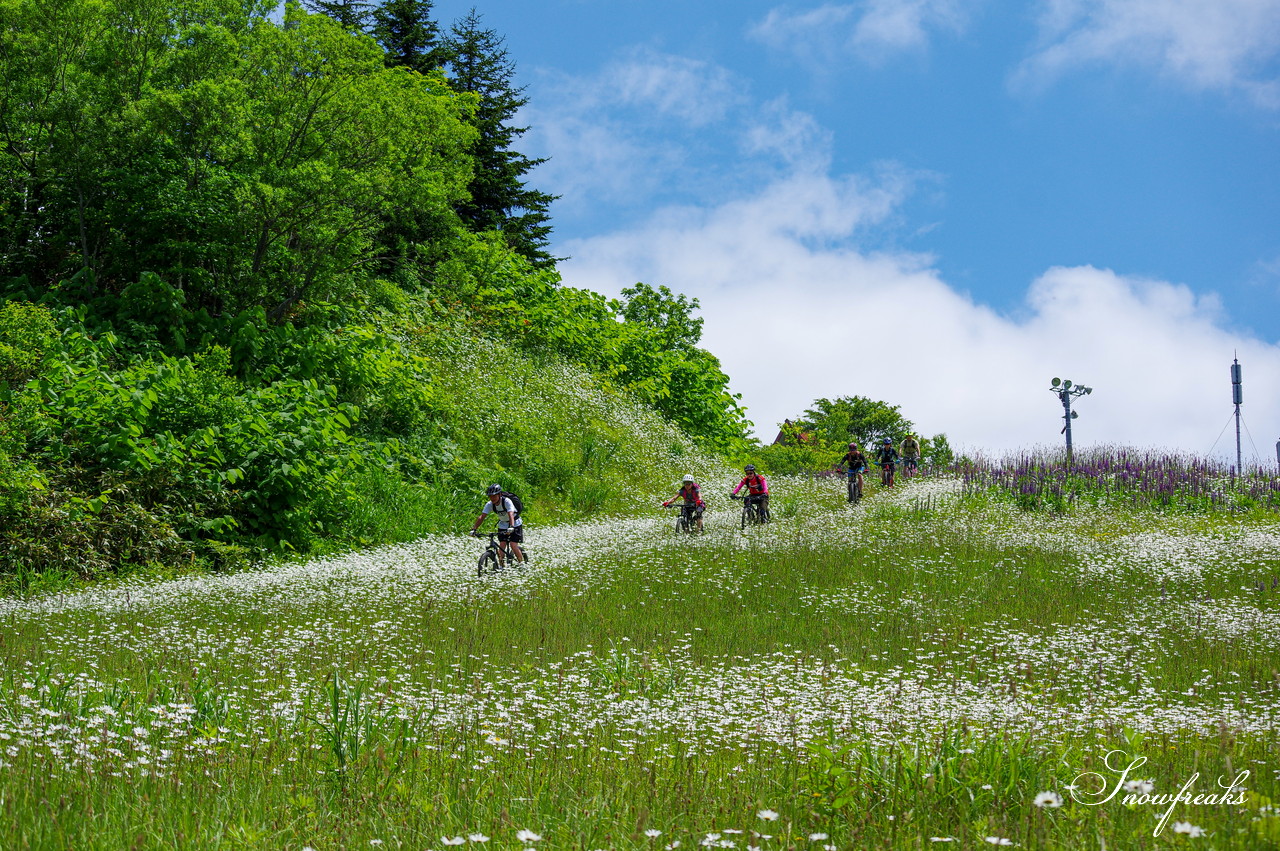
(255, 633)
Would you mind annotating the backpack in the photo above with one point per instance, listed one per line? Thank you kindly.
(515, 500)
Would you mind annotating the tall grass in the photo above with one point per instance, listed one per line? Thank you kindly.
(1117, 475)
(921, 667)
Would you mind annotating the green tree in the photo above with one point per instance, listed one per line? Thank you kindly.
(409, 35)
(660, 361)
(500, 199)
(668, 314)
(247, 163)
(857, 419)
(354, 15)
(937, 450)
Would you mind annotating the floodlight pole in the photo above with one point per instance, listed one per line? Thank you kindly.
(1237, 397)
(1065, 391)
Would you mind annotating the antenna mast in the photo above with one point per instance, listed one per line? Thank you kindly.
(1237, 397)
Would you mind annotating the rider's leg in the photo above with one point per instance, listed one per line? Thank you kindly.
(517, 538)
(698, 514)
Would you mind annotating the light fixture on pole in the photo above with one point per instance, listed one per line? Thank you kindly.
(1066, 391)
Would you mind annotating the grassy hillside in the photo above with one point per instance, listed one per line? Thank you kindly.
(291, 295)
(347, 427)
(929, 669)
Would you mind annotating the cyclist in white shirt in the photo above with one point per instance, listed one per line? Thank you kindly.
(510, 526)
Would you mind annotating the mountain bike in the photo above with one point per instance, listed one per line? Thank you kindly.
(489, 559)
(886, 473)
(686, 518)
(854, 486)
(755, 510)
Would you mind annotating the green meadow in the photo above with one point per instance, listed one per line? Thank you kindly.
(928, 669)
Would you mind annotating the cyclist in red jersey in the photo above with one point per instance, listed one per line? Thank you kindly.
(757, 489)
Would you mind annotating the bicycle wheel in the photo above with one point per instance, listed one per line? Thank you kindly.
(682, 525)
(746, 516)
(488, 563)
(853, 490)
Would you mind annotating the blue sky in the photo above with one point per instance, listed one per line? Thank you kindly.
(939, 203)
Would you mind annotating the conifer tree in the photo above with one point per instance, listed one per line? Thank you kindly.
(408, 34)
(352, 14)
(500, 200)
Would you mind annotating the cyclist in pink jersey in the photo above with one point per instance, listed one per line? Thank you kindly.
(757, 489)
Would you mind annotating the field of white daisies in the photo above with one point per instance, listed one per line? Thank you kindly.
(924, 670)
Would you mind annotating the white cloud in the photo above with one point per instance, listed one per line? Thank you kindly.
(1208, 45)
(623, 132)
(696, 92)
(791, 136)
(795, 313)
(871, 30)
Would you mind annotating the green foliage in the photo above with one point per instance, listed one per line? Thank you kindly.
(408, 34)
(26, 332)
(245, 162)
(646, 341)
(818, 440)
(252, 261)
(864, 421)
(353, 15)
(500, 201)
(298, 437)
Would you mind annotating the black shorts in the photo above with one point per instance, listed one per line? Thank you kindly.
(512, 536)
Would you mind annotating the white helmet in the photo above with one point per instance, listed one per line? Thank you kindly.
(688, 477)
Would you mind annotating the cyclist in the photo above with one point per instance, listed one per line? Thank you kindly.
(757, 491)
(510, 526)
(854, 463)
(887, 457)
(691, 495)
(910, 455)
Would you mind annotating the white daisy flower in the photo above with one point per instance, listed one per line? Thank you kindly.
(1051, 800)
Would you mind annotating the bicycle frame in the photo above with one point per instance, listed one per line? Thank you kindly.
(495, 556)
(686, 518)
(754, 510)
(854, 486)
